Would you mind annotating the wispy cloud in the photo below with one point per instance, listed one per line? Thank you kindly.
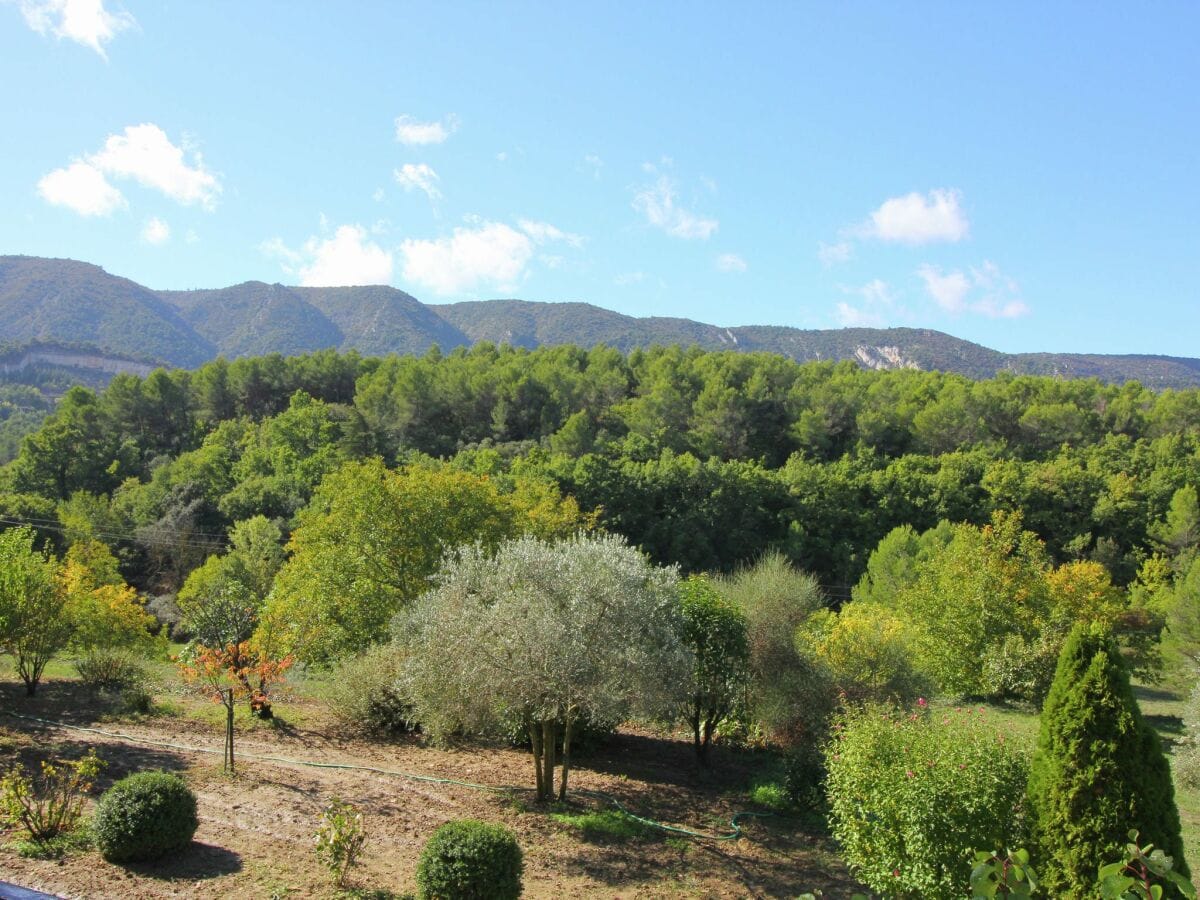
(730, 262)
(85, 22)
(544, 232)
(982, 289)
(156, 231)
(659, 204)
(418, 177)
(415, 133)
(875, 302)
(834, 254)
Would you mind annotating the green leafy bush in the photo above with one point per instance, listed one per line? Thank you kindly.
(470, 860)
(367, 694)
(1093, 735)
(143, 817)
(49, 806)
(110, 671)
(908, 792)
(340, 838)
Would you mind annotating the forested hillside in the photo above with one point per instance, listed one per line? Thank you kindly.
(65, 301)
(705, 459)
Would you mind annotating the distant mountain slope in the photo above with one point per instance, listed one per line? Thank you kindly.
(378, 319)
(116, 321)
(73, 302)
(252, 319)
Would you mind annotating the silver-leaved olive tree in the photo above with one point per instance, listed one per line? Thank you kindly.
(548, 635)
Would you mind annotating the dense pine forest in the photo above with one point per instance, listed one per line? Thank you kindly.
(704, 459)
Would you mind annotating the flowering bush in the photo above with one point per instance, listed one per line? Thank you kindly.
(908, 791)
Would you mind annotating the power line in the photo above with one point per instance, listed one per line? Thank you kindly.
(212, 543)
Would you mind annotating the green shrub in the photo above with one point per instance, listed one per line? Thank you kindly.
(1098, 771)
(143, 817)
(908, 793)
(340, 838)
(470, 860)
(48, 807)
(804, 777)
(106, 670)
(366, 692)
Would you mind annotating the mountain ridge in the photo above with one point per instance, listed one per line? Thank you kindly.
(70, 302)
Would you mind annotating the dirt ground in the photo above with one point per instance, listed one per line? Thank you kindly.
(256, 829)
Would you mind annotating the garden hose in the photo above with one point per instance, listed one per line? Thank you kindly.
(733, 834)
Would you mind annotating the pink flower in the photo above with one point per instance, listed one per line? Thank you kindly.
(922, 702)
(909, 773)
(895, 873)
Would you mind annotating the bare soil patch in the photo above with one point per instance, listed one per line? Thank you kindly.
(256, 833)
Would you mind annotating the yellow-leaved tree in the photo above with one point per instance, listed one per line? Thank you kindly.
(371, 538)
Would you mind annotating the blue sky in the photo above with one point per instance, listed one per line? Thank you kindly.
(1021, 175)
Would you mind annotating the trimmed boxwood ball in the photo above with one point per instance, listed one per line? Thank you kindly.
(470, 860)
(144, 817)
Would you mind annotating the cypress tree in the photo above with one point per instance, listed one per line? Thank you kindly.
(1098, 771)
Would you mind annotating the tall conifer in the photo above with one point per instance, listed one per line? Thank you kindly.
(1099, 770)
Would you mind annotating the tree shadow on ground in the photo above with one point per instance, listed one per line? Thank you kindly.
(119, 760)
(195, 863)
(666, 761)
(1145, 692)
(58, 699)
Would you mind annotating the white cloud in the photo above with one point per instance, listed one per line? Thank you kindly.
(984, 290)
(86, 22)
(877, 301)
(490, 254)
(502, 156)
(949, 290)
(415, 134)
(658, 202)
(347, 258)
(730, 262)
(83, 188)
(919, 219)
(857, 317)
(378, 195)
(288, 258)
(191, 237)
(419, 177)
(629, 278)
(833, 254)
(544, 232)
(156, 231)
(146, 154)
(595, 163)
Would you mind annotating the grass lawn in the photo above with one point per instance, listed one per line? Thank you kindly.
(1163, 707)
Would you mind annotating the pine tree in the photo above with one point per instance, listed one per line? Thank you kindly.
(1098, 771)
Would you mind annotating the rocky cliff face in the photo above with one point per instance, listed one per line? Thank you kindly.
(883, 358)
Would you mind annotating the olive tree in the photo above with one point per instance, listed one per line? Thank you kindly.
(546, 634)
